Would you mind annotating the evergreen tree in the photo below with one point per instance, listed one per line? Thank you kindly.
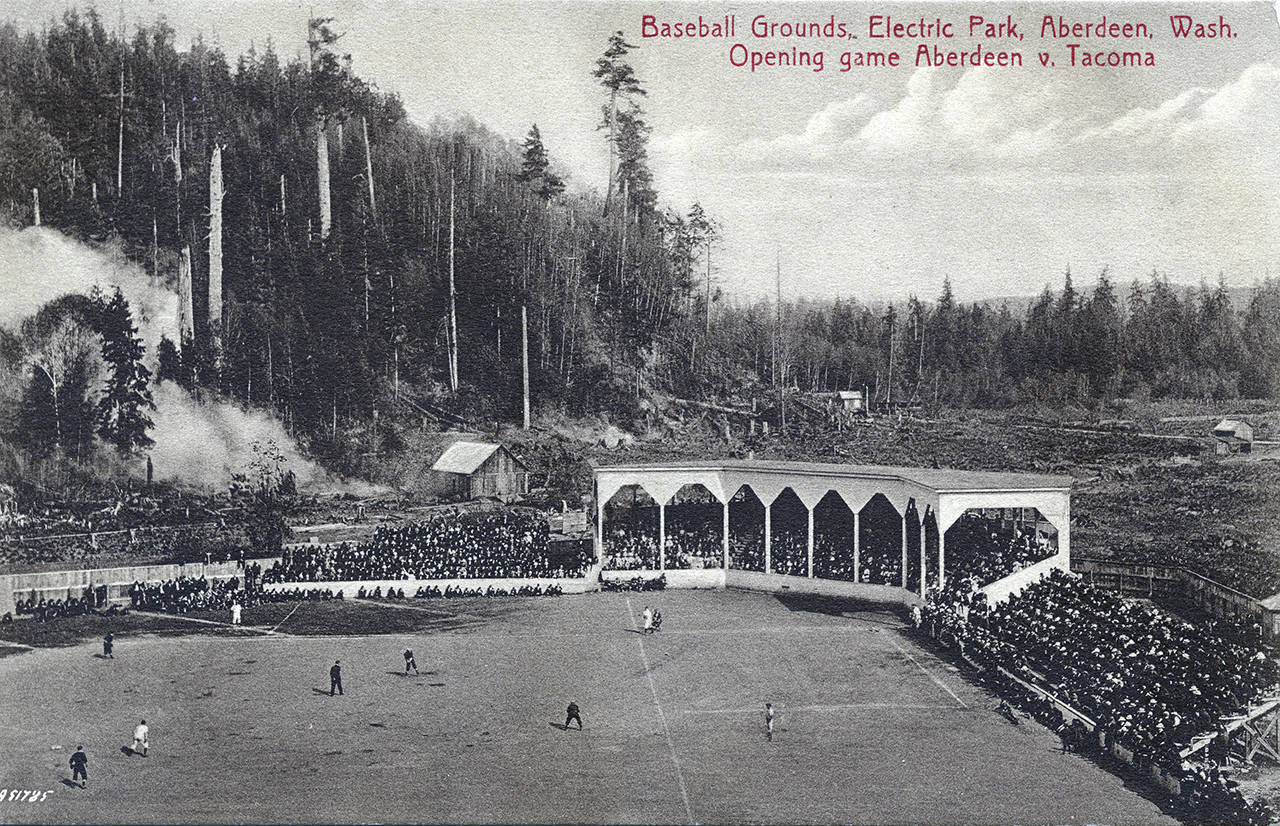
(126, 398)
(619, 79)
(169, 362)
(1102, 339)
(535, 168)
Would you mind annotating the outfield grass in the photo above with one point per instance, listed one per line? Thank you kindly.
(871, 726)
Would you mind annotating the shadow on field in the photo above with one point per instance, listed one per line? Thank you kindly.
(70, 784)
(872, 612)
(563, 727)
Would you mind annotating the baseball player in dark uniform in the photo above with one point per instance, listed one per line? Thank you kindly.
(570, 714)
(80, 767)
(335, 677)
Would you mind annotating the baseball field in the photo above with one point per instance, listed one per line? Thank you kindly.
(872, 726)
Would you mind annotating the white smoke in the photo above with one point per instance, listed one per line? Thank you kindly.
(39, 264)
(197, 444)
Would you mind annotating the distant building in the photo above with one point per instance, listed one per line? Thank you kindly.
(1232, 436)
(475, 470)
(853, 401)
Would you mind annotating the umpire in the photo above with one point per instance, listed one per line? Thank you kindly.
(335, 677)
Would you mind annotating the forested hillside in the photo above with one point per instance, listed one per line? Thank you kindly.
(364, 268)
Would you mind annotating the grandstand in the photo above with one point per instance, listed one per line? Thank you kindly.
(870, 525)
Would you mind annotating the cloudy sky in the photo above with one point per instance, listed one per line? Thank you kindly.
(872, 183)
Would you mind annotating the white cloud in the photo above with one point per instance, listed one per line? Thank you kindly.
(985, 118)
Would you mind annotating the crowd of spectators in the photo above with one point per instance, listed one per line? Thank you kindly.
(1149, 681)
(187, 594)
(789, 554)
(452, 591)
(49, 609)
(628, 550)
(636, 583)
(486, 544)
(699, 546)
(746, 546)
(983, 550)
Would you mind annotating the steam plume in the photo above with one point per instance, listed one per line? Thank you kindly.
(197, 444)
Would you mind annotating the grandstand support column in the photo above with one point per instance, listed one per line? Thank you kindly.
(662, 536)
(599, 531)
(942, 559)
(810, 543)
(923, 562)
(724, 519)
(904, 549)
(857, 563)
(768, 539)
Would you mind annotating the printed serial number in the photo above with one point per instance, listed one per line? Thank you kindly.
(23, 795)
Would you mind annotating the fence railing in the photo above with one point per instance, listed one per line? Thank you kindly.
(1153, 580)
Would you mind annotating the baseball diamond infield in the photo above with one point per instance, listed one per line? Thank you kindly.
(871, 727)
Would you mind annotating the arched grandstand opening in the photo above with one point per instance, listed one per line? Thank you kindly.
(988, 544)
(834, 555)
(914, 558)
(746, 530)
(880, 542)
(789, 546)
(694, 529)
(630, 530)
(930, 531)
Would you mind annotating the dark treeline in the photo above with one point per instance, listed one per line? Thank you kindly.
(1156, 339)
(371, 267)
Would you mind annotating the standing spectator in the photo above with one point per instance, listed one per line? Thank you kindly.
(235, 613)
(335, 677)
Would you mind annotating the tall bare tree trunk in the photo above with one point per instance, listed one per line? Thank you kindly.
(322, 178)
(120, 141)
(453, 310)
(215, 254)
(35, 205)
(395, 333)
(613, 160)
(186, 306)
(524, 360)
(271, 377)
(368, 168)
(779, 370)
(707, 325)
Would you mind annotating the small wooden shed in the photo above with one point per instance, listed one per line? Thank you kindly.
(475, 470)
(1232, 436)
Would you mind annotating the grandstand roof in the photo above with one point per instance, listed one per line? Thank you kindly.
(938, 479)
(465, 457)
